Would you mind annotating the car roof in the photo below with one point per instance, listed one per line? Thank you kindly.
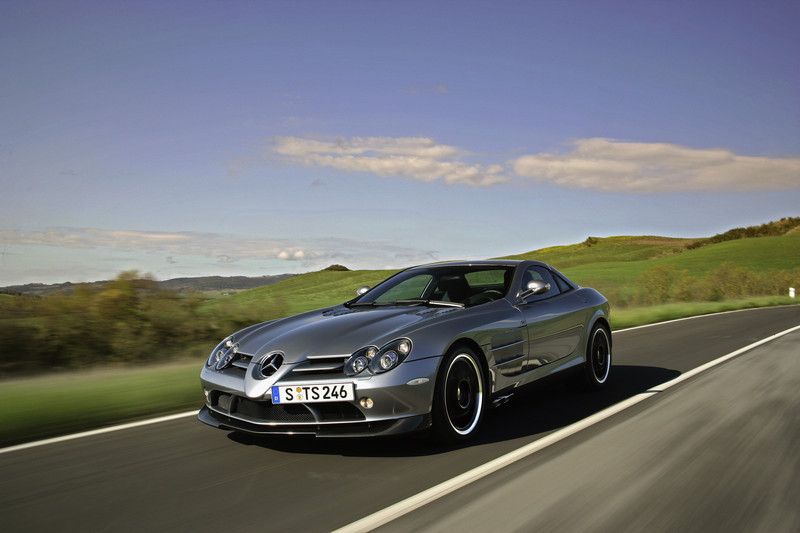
(482, 262)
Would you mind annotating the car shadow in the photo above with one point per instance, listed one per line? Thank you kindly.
(542, 407)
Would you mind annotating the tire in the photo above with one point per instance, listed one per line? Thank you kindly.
(460, 396)
(597, 368)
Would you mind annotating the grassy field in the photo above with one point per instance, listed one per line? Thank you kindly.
(761, 254)
(605, 250)
(306, 291)
(612, 265)
(636, 316)
(44, 406)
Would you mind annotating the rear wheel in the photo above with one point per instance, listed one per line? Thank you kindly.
(460, 396)
(598, 357)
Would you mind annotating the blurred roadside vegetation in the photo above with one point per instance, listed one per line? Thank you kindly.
(133, 320)
(129, 320)
(669, 284)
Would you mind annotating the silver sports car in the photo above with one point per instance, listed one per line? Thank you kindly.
(430, 347)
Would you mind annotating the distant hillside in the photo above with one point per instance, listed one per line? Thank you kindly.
(623, 268)
(611, 264)
(600, 250)
(307, 291)
(776, 228)
(203, 283)
(221, 283)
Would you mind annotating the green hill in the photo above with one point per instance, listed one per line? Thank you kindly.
(775, 228)
(600, 250)
(304, 292)
(757, 254)
(617, 266)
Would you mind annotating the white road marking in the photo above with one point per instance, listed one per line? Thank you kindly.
(177, 416)
(384, 516)
(100, 431)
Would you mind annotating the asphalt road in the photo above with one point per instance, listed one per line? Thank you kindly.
(717, 454)
(181, 475)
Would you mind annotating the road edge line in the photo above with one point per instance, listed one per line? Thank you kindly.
(99, 431)
(396, 510)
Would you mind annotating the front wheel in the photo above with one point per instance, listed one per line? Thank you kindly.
(598, 357)
(460, 396)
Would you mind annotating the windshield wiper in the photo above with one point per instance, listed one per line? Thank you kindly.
(362, 304)
(423, 301)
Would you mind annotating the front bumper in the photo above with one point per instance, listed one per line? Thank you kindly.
(329, 429)
(398, 407)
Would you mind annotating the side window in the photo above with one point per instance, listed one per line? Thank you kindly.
(537, 273)
(563, 286)
(486, 278)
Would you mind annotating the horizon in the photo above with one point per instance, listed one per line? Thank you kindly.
(146, 275)
(189, 140)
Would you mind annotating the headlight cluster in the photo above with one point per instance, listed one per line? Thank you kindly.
(378, 360)
(222, 354)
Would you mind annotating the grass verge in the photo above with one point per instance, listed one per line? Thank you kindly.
(637, 316)
(45, 406)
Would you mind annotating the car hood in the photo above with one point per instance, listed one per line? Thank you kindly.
(337, 331)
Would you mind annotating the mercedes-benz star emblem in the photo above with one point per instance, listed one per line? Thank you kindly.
(271, 364)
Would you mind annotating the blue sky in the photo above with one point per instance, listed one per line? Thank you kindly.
(256, 138)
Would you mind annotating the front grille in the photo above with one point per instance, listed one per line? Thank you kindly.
(336, 411)
(272, 413)
(241, 360)
(263, 411)
(239, 365)
(320, 365)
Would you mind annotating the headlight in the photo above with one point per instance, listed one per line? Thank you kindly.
(378, 361)
(359, 364)
(219, 351)
(388, 360)
(359, 360)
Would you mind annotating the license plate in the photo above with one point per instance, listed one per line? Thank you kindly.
(330, 392)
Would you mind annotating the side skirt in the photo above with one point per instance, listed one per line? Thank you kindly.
(544, 371)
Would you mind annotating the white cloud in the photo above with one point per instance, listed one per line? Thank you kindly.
(291, 255)
(223, 248)
(218, 248)
(592, 163)
(418, 158)
(611, 165)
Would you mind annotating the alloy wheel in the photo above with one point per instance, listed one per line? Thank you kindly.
(463, 394)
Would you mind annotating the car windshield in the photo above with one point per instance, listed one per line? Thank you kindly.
(442, 285)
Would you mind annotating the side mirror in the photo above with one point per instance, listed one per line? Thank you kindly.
(362, 290)
(533, 288)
